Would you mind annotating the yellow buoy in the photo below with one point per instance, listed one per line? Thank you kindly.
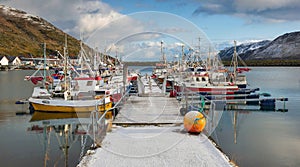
(194, 122)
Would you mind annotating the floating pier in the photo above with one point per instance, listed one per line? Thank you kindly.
(196, 101)
(148, 131)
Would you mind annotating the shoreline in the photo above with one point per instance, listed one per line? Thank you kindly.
(53, 68)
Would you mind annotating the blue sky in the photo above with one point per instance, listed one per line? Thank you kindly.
(245, 22)
(219, 21)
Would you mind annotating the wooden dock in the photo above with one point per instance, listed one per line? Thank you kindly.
(148, 131)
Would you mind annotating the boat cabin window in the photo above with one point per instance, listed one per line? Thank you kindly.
(100, 92)
(241, 78)
(200, 69)
(203, 79)
(89, 83)
(190, 69)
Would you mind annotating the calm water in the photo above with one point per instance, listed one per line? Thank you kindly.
(262, 138)
(265, 138)
(21, 146)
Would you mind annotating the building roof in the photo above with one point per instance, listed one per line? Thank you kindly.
(11, 58)
(1, 57)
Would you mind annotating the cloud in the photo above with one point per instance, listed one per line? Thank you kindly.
(261, 10)
(53, 10)
(85, 17)
(263, 5)
(104, 27)
(72, 16)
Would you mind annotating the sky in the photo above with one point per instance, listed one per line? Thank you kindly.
(132, 27)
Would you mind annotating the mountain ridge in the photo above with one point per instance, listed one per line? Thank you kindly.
(23, 34)
(285, 47)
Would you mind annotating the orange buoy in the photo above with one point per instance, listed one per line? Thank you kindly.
(194, 121)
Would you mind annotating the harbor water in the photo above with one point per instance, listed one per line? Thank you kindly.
(256, 138)
(265, 138)
(22, 142)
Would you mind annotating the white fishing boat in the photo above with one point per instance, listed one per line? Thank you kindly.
(70, 95)
(76, 97)
(202, 83)
(59, 105)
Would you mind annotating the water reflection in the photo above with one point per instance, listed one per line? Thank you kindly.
(61, 133)
(240, 126)
(238, 114)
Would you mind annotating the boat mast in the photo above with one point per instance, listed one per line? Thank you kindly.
(208, 63)
(163, 57)
(65, 63)
(95, 58)
(116, 57)
(182, 53)
(199, 52)
(234, 63)
(44, 83)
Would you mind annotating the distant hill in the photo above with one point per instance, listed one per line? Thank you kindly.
(243, 49)
(24, 34)
(284, 47)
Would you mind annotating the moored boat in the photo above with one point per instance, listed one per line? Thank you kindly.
(71, 94)
(60, 105)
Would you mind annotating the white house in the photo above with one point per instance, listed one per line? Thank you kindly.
(14, 60)
(3, 61)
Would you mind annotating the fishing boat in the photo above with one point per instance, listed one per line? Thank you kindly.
(59, 105)
(207, 88)
(159, 73)
(72, 94)
(77, 98)
(204, 82)
(211, 78)
(235, 74)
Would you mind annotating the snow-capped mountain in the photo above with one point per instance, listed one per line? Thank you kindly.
(286, 46)
(242, 49)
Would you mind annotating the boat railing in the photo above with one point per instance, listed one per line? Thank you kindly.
(97, 122)
(116, 105)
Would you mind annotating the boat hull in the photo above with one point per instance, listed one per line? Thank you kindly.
(209, 90)
(40, 116)
(71, 106)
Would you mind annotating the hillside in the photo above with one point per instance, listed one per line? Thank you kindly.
(242, 49)
(284, 47)
(24, 34)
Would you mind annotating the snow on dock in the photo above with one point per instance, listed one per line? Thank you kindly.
(148, 131)
(155, 146)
